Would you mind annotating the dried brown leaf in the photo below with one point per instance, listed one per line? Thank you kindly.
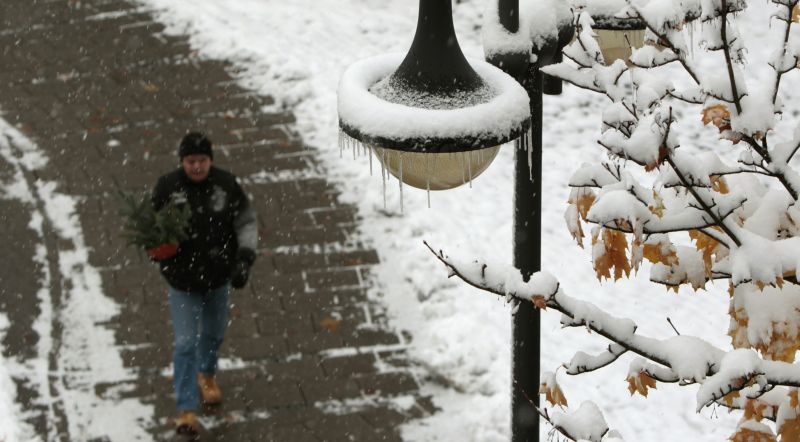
(661, 253)
(539, 301)
(614, 256)
(150, 87)
(553, 395)
(663, 152)
(719, 184)
(640, 383)
(730, 397)
(657, 208)
(790, 430)
(331, 324)
(707, 245)
(584, 203)
(748, 435)
(754, 409)
(718, 115)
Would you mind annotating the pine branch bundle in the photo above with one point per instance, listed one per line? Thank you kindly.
(148, 228)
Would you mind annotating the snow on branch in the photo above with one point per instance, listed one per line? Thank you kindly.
(687, 359)
(582, 362)
(586, 423)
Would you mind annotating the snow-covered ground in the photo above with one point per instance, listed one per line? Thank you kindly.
(296, 50)
(66, 370)
(10, 426)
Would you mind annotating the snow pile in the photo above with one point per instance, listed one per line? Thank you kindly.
(586, 423)
(497, 40)
(734, 368)
(539, 22)
(605, 8)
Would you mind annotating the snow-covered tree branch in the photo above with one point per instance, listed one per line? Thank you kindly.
(723, 375)
(722, 208)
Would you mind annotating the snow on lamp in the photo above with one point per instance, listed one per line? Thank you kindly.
(434, 119)
(542, 29)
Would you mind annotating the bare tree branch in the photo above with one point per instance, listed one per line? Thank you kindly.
(779, 72)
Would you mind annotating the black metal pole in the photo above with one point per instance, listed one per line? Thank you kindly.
(527, 258)
(526, 334)
(514, 64)
(509, 14)
(553, 85)
(434, 62)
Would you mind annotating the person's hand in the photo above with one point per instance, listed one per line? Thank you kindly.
(241, 269)
(241, 272)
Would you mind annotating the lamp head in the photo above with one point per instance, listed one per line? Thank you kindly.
(432, 117)
(619, 30)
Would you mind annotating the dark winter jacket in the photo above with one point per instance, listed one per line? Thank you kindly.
(222, 229)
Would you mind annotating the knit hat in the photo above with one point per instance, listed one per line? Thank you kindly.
(195, 143)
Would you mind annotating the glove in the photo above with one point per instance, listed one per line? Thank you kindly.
(241, 269)
(162, 252)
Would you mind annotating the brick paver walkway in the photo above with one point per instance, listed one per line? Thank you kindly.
(99, 87)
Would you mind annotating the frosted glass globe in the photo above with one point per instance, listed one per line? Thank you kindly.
(436, 171)
(619, 44)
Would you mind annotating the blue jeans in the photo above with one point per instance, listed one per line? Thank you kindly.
(199, 321)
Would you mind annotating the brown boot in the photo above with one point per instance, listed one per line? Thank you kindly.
(209, 389)
(186, 423)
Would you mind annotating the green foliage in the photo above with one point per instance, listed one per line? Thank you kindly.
(147, 228)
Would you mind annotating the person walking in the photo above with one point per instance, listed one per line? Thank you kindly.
(220, 249)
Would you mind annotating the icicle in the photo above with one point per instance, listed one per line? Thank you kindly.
(428, 181)
(354, 149)
(383, 177)
(429, 193)
(469, 168)
(369, 152)
(463, 167)
(529, 148)
(635, 89)
(401, 182)
(341, 146)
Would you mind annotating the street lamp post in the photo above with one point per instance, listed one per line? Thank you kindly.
(526, 321)
(526, 333)
(421, 73)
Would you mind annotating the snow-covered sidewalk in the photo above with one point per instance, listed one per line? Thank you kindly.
(307, 356)
(74, 353)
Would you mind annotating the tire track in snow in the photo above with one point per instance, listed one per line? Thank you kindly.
(36, 371)
(74, 353)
